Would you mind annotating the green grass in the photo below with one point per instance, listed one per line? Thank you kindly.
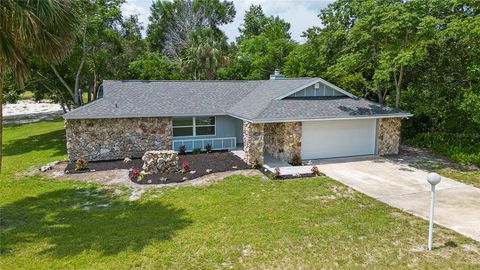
(468, 177)
(463, 148)
(241, 222)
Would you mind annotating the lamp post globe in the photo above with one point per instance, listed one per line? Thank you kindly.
(433, 178)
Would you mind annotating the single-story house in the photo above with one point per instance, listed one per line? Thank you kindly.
(281, 117)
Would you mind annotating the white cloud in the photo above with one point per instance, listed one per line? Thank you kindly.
(301, 14)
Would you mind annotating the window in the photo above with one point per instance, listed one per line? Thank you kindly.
(193, 126)
(182, 126)
(204, 126)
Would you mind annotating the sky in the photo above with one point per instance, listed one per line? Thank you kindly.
(301, 14)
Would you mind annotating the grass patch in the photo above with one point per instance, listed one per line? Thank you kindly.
(468, 177)
(463, 148)
(241, 222)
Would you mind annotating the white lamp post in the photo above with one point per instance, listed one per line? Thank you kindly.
(433, 179)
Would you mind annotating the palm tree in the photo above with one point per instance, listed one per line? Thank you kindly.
(206, 51)
(32, 29)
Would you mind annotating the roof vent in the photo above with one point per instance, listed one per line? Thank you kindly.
(277, 75)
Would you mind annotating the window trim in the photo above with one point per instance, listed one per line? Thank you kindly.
(194, 127)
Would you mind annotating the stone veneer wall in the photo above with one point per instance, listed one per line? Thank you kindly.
(283, 140)
(253, 135)
(117, 138)
(388, 136)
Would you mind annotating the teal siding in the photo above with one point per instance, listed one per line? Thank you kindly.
(322, 91)
(225, 126)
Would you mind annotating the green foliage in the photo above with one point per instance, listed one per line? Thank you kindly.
(205, 53)
(264, 45)
(153, 66)
(422, 56)
(464, 148)
(196, 151)
(172, 22)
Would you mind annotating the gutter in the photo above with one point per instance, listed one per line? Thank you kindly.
(405, 115)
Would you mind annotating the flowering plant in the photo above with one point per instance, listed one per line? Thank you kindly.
(80, 164)
(315, 171)
(185, 166)
(277, 172)
(136, 172)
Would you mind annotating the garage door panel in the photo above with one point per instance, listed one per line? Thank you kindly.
(338, 138)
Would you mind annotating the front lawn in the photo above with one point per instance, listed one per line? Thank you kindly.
(241, 222)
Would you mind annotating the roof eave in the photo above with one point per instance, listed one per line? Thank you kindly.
(80, 117)
(292, 119)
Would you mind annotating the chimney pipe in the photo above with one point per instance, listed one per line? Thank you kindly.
(276, 75)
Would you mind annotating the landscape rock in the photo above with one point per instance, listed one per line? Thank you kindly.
(160, 161)
(48, 166)
(127, 160)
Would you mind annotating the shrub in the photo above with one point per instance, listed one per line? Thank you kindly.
(277, 172)
(80, 164)
(182, 150)
(185, 166)
(296, 160)
(315, 171)
(135, 173)
(196, 151)
(208, 148)
(141, 176)
(256, 164)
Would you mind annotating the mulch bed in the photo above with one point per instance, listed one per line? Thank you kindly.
(217, 162)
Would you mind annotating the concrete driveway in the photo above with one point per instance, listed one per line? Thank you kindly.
(404, 187)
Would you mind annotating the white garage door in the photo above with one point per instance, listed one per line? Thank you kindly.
(338, 138)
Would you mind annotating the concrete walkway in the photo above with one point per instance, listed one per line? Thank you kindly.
(404, 187)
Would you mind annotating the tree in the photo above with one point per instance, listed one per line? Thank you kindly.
(154, 66)
(205, 53)
(172, 22)
(263, 46)
(106, 44)
(40, 28)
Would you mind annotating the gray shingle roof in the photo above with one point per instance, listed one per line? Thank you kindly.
(165, 98)
(250, 100)
(338, 107)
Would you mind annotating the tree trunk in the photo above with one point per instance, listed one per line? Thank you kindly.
(64, 83)
(89, 93)
(82, 62)
(398, 84)
(381, 94)
(1, 119)
(95, 85)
